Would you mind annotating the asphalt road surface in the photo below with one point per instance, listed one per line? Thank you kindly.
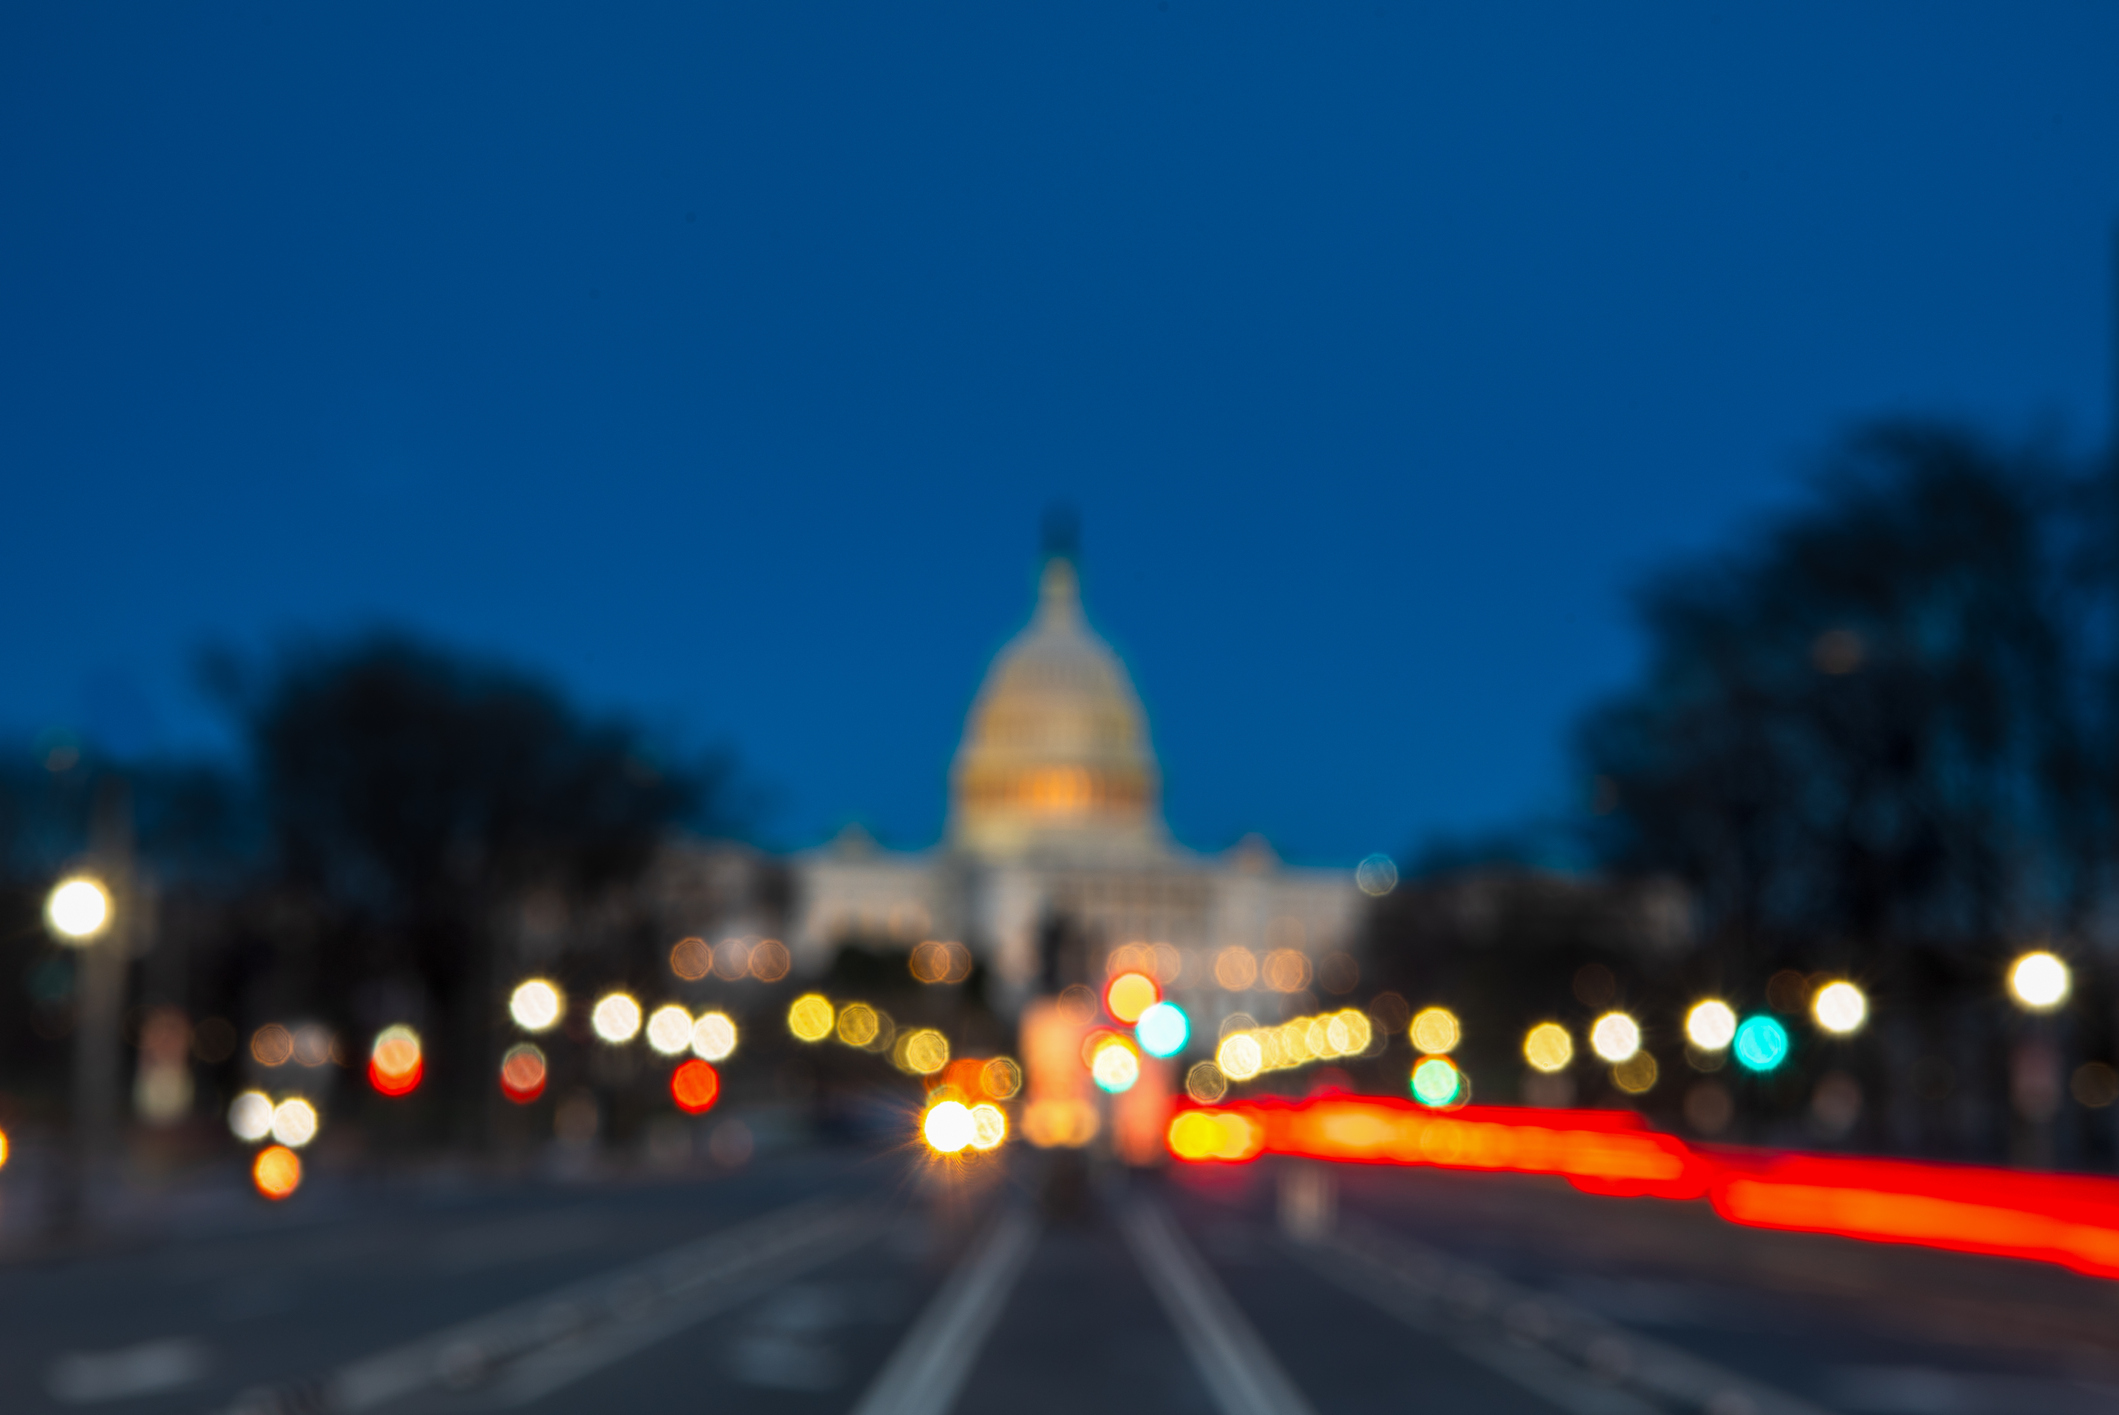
(842, 1280)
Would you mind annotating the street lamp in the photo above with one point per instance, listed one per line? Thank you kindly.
(2039, 981)
(78, 910)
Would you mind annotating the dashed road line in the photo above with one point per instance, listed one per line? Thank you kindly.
(528, 1349)
(1238, 1369)
(927, 1371)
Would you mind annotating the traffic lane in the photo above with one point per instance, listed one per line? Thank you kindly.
(1082, 1330)
(299, 1298)
(1342, 1351)
(805, 1346)
(1843, 1323)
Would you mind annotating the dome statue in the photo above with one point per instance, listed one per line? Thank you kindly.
(1055, 759)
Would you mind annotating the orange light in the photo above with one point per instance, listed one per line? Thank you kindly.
(395, 1062)
(277, 1171)
(695, 1086)
(3, 1149)
(522, 1073)
(1130, 994)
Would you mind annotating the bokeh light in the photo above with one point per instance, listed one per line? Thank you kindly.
(857, 1025)
(616, 1018)
(1128, 995)
(1435, 1030)
(1761, 1043)
(1436, 1081)
(535, 1005)
(1163, 1029)
(770, 960)
(989, 1126)
(395, 1060)
(522, 1073)
(3, 1149)
(1206, 1083)
(1840, 1008)
(948, 1127)
(1240, 1057)
(1636, 1075)
(277, 1171)
(1615, 1036)
(809, 1017)
(2039, 980)
(1215, 1135)
(1377, 875)
(1001, 1078)
(272, 1045)
(669, 1030)
(1115, 1067)
(1548, 1047)
(1711, 1025)
(77, 909)
(713, 1037)
(1236, 968)
(1286, 970)
(250, 1116)
(691, 959)
(923, 1051)
(695, 1086)
(294, 1122)
(941, 961)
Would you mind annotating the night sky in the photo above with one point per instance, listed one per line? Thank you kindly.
(717, 362)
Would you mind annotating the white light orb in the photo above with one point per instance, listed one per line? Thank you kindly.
(1840, 1008)
(250, 1116)
(2039, 980)
(78, 909)
(1711, 1025)
(714, 1037)
(294, 1123)
(616, 1018)
(535, 1005)
(669, 1030)
(1615, 1037)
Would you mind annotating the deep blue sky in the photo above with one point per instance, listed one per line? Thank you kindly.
(718, 360)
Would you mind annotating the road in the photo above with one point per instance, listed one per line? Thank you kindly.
(836, 1280)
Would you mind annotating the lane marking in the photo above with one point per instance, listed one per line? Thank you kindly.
(927, 1371)
(1240, 1372)
(1550, 1346)
(531, 1348)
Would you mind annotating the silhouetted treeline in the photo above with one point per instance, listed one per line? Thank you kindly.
(402, 816)
(1876, 738)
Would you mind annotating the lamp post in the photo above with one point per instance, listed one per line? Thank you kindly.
(2039, 982)
(91, 913)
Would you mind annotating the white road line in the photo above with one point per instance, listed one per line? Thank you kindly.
(531, 1348)
(1240, 1372)
(1548, 1345)
(926, 1372)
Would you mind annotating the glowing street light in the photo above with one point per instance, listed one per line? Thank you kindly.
(1615, 1037)
(1840, 1008)
(78, 909)
(536, 1005)
(1548, 1047)
(1710, 1025)
(2039, 981)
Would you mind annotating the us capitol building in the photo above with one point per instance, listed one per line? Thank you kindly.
(1056, 854)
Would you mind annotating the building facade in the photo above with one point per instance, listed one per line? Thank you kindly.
(1056, 855)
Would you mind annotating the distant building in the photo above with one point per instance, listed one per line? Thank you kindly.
(1056, 854)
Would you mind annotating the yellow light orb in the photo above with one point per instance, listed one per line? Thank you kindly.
(535, 1005)
(1001, 1078)
(1240, 1057)
(1116, 1068)
(1615, 1037)
(949, 1127)
(1435, 1030)
(78, 909)
(925, 1052)
(1547, 1047)
(1205, 1083)
(1711, 1025)
(989, 1126)
(2040, 981)
(858, 1024)
(713, 1037)
(1840, 1008)
(809, 1017)
(616, 1018)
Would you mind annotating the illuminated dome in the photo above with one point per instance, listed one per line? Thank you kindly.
(1055, 755)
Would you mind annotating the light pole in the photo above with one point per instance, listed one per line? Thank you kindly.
(91, 913)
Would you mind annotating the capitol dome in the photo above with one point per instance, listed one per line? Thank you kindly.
(1055, 756)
